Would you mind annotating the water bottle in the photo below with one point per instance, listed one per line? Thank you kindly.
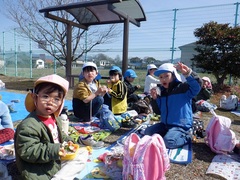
(65, 123)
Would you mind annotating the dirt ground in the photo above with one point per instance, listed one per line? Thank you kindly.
(202, 155)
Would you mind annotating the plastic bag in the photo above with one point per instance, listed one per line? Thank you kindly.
(107, 119)
(230, 103)
(205, 106)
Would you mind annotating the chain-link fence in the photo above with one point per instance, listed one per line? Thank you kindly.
(159, 37)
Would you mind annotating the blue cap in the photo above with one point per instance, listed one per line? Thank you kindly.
(116, 68)
(130, 73)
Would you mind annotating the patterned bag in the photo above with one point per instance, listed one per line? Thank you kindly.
(145, 158)
(141, 106)
(108, 120)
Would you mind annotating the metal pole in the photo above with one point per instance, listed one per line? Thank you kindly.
(85, 58)
(69, 56)
(30, 51)
(235, 25)
(125, 45)
(15, 49)
(4, 60)
(173, 37)
(54, 60)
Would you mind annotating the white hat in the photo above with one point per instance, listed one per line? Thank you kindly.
(206, 79)
(168, 67)
(90, 64)
(151, 66)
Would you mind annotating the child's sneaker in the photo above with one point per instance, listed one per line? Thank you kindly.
(89, 141)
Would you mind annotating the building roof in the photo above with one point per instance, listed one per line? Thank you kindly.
(193, 44)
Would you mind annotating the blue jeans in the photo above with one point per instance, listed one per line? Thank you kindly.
(82, 110)
(173, 137)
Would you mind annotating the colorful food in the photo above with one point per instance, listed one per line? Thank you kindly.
(69, 147)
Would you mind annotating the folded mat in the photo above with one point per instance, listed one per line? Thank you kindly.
(181, 155)
(225, 166)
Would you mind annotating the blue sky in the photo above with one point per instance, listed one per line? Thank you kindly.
(155, 5)
(148, 5)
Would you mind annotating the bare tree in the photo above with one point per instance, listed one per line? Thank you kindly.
(51, 35)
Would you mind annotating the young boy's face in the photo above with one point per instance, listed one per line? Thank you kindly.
(166, 79)
(47, 104)
(130, 79)
(114, 78)
(89, 73)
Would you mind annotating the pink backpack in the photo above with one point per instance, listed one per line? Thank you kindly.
(219, 137)
(145, 158)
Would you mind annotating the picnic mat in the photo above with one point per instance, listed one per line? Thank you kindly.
(70, 168)
(182, 155)
(19, 107)
(81, 129)
(92, 163)
(94, 166)
(237, 111)
(225, 166)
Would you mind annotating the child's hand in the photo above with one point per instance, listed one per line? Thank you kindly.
(182, 68)
(154, 93)
(109, 83)
(109, 90)
(62, 152)
(102, 90)
(138, 86)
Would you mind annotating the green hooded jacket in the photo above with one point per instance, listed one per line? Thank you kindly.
(37, 156)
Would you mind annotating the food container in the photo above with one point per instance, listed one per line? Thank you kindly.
(71, 155)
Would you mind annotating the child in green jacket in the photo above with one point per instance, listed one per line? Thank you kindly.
(39, 137)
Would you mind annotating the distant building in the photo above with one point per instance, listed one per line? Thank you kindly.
(39, 64)
(187, 52)
(77, 63)
(104, 63)
(136, 65)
